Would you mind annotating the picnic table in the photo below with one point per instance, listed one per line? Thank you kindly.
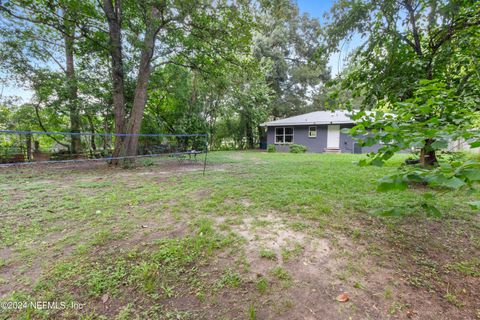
(189, 155)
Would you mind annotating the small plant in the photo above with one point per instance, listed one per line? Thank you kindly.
(252, 314)
(281, 273)
(358, 285)
(262, 285)
(230, 279)
(147, 162)
(298, 148)
(453, 299)
(468, 267)
(271, 148)
(287, 253)
(388, 293)
(268, 254)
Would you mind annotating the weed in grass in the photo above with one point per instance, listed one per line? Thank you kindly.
(167, 290)
(262, 285)
(298, 226)
(358, 285)
(178, 315)
(287, 253)
(146, 275)
(243, 263)
(200, 296)
(468, 267)
(126, 313)
(230, 278)
(453, 299)
(396, 307)
(268, 254)
(356, 234)
(284, 305)
(280, 273)
(105, 279)
(252, 313)
(388, 293)
(234, 221)
(259, 223)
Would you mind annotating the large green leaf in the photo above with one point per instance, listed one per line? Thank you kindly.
(471, 174)
(439, 144)
(475, 204)
(453, 183)
(392, 183)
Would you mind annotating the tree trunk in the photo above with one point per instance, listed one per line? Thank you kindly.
(113, 14)
(428, 157)
(92, 130)
(75, 120)
(249, 133)
(140, 98)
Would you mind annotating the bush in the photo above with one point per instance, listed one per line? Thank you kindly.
(271, 148)
(298, 148)
(147, 162)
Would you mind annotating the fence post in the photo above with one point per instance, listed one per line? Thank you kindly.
(206, 152)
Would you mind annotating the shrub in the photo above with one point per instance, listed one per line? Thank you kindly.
(298, 148)
(271, 148)
(147, 162)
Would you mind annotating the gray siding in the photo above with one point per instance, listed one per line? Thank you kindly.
(318, 144)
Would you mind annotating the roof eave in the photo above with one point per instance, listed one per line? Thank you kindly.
(276, 124)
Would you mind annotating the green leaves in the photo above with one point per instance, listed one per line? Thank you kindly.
(442, 176)
(452, 183)
(394, 182)
(439, 144)
(475, 144)
(475, 204)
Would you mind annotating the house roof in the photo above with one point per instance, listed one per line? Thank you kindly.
(312, 118)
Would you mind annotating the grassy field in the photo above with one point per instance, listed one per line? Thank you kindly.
(260, 236)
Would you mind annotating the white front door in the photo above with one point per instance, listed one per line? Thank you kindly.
(333, 136)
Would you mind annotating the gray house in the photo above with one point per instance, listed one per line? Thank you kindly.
(320, 131)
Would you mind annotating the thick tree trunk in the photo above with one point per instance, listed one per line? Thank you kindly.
(428, 156)
(249, 133)
(114, 15)
(75, 120)
(128, 146)
(140, 99)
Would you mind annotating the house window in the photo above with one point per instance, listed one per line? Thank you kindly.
(283, 135)
(312, 132)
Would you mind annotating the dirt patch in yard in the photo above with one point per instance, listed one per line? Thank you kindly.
(299, 268)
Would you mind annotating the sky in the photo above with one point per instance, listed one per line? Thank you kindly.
(315, 8)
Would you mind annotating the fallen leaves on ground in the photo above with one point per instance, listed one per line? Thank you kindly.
(343, 297)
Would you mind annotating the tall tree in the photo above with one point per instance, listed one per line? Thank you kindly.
(188, 33)
(31, 32)
(294, 43)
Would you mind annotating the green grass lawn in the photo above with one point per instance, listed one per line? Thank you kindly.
(265, 236)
